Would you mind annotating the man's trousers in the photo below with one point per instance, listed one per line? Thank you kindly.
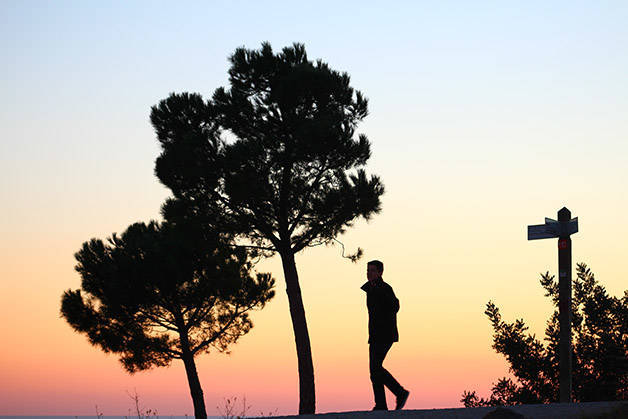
(379, 376)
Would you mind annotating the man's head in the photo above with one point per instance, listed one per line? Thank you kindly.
(374, 270)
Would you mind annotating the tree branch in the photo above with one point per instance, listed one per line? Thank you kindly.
(315, 244)
(158, 320)
(204, 312)
(175, 354)
(217, 334)
(353, 258)
(305, 239)
(265, 230)
(270, 249)
(314, 185)
(224, 329)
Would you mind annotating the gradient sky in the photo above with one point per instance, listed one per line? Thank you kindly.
(484, 118)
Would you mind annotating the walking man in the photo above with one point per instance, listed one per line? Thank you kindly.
(382, 306)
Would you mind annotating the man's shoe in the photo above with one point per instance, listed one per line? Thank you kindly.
(380, 408)
(402, 399)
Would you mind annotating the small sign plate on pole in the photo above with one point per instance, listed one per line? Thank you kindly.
(541, 231)
(572, 227)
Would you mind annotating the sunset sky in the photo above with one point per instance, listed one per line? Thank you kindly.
(485, 117)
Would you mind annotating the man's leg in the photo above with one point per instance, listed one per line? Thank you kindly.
(380, 377)
(377, 353)
(393, 385)
(387, 379)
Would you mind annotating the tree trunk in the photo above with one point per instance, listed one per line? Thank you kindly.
(195, 385)
(307, 397)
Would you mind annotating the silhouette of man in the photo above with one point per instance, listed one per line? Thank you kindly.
(382, 306)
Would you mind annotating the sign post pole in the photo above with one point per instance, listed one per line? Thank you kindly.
(562, 229)
(564, 305)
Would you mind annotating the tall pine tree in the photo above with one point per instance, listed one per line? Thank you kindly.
(273, 159)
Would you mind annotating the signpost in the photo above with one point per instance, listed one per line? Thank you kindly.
(561, 229)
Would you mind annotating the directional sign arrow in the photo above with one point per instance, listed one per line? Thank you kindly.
(552, 229)
(552, 226)
(572, 227)
(541, 231)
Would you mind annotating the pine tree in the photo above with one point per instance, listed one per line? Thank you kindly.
(600, 349)
(273, 159)
(165, 291)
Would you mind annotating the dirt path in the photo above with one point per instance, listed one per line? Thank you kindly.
(591, 410)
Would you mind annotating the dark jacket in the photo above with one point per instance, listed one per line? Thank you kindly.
(383, 307)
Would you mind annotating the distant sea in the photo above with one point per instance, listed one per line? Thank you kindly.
(105, 417)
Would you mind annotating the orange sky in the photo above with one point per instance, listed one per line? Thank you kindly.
(444, 346)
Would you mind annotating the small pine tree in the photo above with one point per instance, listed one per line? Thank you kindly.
(600, 349)
(165, 291)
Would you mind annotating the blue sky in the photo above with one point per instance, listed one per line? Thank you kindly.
(542, 63)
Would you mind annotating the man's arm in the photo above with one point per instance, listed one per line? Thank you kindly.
(395, 301)
(388, 301)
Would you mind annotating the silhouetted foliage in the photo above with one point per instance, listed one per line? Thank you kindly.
(160, 292)
(600, 349)
(273, 160)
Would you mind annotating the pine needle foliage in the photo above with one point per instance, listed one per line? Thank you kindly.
(293, 174)
(274, 159)
(599, 341)
(161, 291)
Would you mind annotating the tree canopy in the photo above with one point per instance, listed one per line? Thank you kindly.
(293, 175)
